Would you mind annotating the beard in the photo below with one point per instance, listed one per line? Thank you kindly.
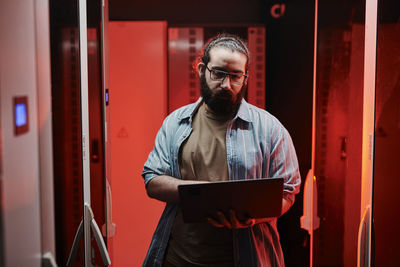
(220, 101)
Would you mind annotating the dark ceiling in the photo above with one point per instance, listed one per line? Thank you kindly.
(191, 12)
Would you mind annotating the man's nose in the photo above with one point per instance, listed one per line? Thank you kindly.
(226, 82)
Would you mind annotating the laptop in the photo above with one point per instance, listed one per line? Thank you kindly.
(258, 198)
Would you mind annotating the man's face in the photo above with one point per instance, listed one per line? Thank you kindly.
(223, 96)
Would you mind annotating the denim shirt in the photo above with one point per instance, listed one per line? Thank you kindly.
(257, 146)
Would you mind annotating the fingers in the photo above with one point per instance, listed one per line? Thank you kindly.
(250, 222)
(220, 221)
(224, 220)
(215, 223)
(236, 223)
(233, 223)
(234, 220)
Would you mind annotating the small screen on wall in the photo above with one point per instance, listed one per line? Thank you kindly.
(21, 116)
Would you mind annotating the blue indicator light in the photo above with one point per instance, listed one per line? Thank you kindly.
(20, 114)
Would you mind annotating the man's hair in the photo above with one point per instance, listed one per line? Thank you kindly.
(228, 41)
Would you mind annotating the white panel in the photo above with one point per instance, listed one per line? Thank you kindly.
(371, 13)
(45, 125)
(85, 126)
(21, 210)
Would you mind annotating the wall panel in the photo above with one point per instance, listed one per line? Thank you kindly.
(138, 105)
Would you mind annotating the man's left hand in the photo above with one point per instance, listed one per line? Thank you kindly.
(232, 222)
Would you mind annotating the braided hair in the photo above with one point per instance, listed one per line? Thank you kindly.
(228, 41)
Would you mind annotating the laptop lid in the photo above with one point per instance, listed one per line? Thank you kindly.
(258, 198)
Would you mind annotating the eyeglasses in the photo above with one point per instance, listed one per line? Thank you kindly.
(236, 78)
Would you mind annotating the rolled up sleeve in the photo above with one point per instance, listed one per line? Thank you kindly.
(284, 163)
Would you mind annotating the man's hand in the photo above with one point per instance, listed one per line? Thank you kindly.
(165, 188)
(232, 222)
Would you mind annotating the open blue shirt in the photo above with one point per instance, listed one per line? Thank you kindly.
(257, 146)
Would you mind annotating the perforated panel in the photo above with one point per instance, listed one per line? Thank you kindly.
(184, 45)
(256, 83)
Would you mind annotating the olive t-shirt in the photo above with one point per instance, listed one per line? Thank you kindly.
(202, 157)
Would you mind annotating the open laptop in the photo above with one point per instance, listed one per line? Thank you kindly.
(258, 198)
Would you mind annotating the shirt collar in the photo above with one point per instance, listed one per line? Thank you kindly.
(190, 111)
(243, 112)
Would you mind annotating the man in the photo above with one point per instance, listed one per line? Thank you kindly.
(220, 137)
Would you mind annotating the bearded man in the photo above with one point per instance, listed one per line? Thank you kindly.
(220, 137)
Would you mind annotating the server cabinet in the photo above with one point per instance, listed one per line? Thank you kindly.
(138, 105)
(79, 132)
(385, 207)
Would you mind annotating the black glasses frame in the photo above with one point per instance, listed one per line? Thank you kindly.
(225, 73)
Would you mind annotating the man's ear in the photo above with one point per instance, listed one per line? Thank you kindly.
(200, 68)
(245, 80)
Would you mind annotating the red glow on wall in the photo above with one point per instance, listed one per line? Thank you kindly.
(138, 105)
